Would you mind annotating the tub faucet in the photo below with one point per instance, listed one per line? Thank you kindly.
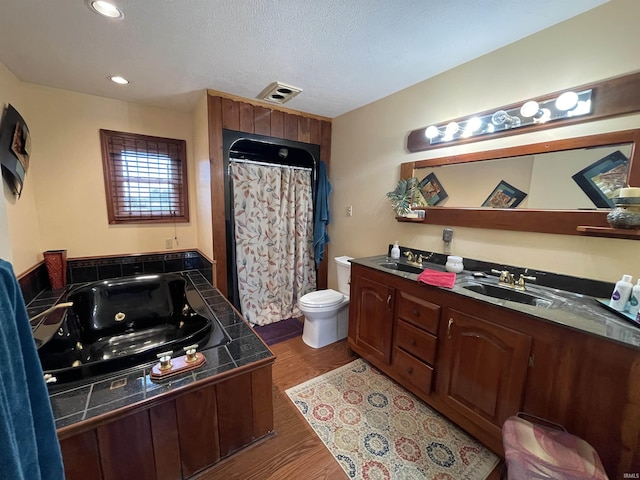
(51, 309)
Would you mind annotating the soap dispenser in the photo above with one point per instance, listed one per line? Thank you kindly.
(395, 251)
(621, 293)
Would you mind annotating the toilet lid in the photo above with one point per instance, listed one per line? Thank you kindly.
(322, 298)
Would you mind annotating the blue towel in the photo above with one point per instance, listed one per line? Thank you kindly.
(29, 448)
(321, 211)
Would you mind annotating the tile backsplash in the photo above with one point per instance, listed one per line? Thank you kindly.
(100, 268)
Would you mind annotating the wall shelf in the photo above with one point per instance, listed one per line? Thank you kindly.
(630, 234)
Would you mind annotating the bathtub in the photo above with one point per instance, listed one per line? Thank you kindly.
(118, 323)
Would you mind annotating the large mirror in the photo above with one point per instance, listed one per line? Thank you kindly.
(551, 187)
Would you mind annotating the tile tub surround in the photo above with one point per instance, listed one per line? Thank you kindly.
(83, 270)
(98, 396)
(580, 312)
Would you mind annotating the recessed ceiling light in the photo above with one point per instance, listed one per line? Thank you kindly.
(106, 9)
(119, 80)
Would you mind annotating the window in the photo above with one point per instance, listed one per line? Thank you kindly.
(145, 178)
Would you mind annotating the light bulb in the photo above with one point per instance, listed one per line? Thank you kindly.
(119, 80)
(567, 101)
(452, 128)
(473, 125)
(106, 9)
(529, 109)
(431, 132)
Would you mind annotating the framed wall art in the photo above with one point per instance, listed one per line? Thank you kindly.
(602, 180)
(15, 149)
(504, 196)
(432, 190)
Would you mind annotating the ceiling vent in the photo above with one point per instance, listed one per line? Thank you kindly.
(279, 93)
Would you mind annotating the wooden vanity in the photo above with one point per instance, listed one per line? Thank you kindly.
(478, 363)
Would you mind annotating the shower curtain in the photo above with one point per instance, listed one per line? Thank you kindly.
(273, 209)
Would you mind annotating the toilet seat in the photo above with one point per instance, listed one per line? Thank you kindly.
(321, 299)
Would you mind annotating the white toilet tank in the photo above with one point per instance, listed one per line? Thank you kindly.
(344, 274)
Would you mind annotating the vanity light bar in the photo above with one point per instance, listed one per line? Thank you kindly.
(567, 105)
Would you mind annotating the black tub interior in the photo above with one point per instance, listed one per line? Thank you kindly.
(118, 323)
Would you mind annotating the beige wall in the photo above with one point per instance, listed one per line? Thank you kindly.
(19, 229)
(369, 143)
(64, 206)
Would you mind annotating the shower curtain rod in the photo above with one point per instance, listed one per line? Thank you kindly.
(267, 164)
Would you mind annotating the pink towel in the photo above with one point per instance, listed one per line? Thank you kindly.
(439, 279)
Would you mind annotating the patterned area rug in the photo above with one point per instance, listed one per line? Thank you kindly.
(279, 331)
(378, 430)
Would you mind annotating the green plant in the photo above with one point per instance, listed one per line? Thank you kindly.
(404, 195)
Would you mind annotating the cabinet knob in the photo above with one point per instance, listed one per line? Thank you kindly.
(416, 312)
(410, 370)
(413, 342)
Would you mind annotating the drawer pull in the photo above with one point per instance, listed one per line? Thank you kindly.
(416, 312)
(413, 342)
(410, 370)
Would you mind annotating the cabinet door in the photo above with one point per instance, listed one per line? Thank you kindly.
(371, 318)
(483, 369)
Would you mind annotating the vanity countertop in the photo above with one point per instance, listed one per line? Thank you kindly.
(577, 311)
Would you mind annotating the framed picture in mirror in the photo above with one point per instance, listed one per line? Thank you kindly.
(602, 180)
(504, 196)
(432, 190)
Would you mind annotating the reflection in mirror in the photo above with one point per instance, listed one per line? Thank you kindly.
(562, 193)
(577, 179)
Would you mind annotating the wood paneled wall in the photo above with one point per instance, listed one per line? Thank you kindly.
(247, 116)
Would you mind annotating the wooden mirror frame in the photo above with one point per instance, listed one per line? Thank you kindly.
(565, 222)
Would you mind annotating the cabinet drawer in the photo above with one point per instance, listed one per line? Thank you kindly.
(412, 371)
(419, 312)
(415, 341)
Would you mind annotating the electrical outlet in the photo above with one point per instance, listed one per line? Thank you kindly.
(349, 211)
(168, 243)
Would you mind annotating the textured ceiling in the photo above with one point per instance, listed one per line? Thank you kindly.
(342, 53)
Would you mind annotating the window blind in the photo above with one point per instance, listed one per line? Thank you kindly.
(145, 178)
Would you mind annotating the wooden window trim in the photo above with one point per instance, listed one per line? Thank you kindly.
(111, 182)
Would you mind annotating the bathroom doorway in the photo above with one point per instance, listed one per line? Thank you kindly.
(270, 188)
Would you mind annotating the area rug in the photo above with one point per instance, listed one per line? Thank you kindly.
(279, 331)
(378, 430)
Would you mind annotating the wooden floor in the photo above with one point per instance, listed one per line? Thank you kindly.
(294, 451)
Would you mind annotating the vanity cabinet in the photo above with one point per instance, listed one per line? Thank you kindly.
(482, 369)
(371, 316)
(478, 363)
(415, 341)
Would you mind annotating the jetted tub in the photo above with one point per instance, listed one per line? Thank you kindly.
(117, 323)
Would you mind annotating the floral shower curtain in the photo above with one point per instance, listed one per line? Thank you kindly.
(273, 209)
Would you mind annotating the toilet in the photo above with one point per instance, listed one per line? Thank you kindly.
(326, 312)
